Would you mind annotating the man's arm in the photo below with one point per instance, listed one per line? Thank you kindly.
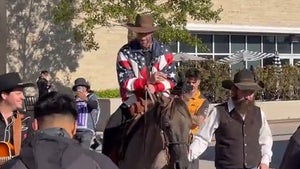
(265, 141)
(199, 117)
(94, 107)
(125, 71)
(204, 136)
(166, 65)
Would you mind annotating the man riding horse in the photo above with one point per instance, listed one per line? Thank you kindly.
(142, 64)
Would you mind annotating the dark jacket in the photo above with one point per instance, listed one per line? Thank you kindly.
(54, 149)
(291, 158)
(43, 86)
(237, 140)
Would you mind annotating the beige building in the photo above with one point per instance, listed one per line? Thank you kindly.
(257, 25)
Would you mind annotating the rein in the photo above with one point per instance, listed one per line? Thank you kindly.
(164, 137)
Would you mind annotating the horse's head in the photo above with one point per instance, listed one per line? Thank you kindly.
(175, 124)
(182, 89)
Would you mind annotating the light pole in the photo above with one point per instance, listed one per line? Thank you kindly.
(3, 36)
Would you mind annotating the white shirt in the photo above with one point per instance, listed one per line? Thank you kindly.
(204, 136)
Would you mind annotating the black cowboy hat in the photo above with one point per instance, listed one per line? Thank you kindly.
(243, 80)
(80, 82)
(143, 24)
(11, 81)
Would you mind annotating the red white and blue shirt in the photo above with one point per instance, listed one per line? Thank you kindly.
(132, 69)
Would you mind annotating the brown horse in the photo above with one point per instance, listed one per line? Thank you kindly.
(160, 137)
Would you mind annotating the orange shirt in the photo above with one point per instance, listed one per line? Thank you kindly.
(195, 107)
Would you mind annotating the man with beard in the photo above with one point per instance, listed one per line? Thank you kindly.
(243, 136)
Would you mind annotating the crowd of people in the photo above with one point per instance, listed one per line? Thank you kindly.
(64, 126)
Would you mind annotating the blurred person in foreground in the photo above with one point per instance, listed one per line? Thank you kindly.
(52, 147)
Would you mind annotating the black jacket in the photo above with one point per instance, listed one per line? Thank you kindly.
(54, 149)
(43, 86)
(291, 158)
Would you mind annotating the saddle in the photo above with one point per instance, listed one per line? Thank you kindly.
(139, 107)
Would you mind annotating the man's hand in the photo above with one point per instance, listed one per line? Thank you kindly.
(82, 95)
(151, 88)
(157, 77)
(263, 166)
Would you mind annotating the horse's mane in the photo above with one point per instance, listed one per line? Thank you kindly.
(171, 106)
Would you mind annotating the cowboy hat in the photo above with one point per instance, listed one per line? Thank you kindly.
(80, 82)
(243, 80)
(11, 81)
(143, 24)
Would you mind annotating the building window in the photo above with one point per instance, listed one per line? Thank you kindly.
(254, 43)
(237, 43)
(268, 61)
(283, 44)
(255, 64)
(218, 57)
(221, 43)
(209, 57)
(237, 67)
(296, 62)
(296, 47)
(285, 61)
(173, 47)
(186, 48)
(207, 41)
(269, 44)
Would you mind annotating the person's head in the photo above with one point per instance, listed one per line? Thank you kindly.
(81, 85)
(45, 74)
(193, 78)
(56, 110)
(242, 88)
(144, 28)
(11, 91)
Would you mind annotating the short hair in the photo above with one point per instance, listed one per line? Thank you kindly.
(5, 91)
(44, 72)
(192, 73)
(55, 103)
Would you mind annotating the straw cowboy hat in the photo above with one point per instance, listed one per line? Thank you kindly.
(243, 80)
(143, 24)
(11, 81)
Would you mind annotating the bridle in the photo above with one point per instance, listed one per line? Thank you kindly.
(165, 139)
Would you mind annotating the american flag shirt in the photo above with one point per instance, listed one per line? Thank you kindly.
(132, 68)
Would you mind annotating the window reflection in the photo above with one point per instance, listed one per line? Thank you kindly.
(283, 44)
(221, 44)
(269, 44)
(237, 43)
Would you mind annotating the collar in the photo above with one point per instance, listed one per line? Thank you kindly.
(55, 132)
(196, 95)
(230, 105)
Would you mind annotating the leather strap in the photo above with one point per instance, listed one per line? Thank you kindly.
(17, 132)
